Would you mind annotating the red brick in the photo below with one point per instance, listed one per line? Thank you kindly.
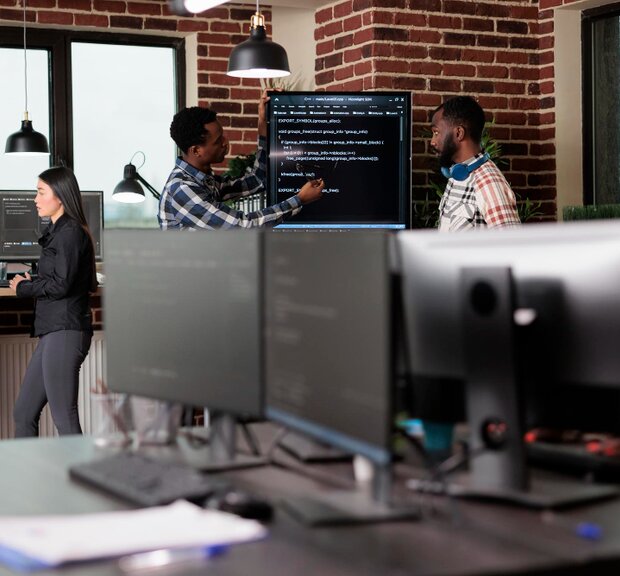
(160, 24)
(232, 27)
(333, 28)
(448, 22)
(223, 80)
(343, 42)
(441, 53)
(362, 68)
(323, 15)
(325, 47)
(352, 23)
(492, 71)
(478, 24)
(462, 70)
(524, 73)
(445, 85)
(109, 6)
(96, 20)
(350, 56)
(126, 22)
(523, 104)
(144, 8)
(6, 14)
(472, 55)
(362, 36)
(409, 19)
(512, 57)
(74, 4)
(453, 39)
(425, 36)
(192, 25)
(493, 10)
(64, 18)
(343, 9)
(343, 73)
(324, 77)
(381, 17)
(209, 38)
(479, 86)
(212, 65)
(353, 85)
(492, 41)
(512, 27)
(426, 69)
(35, 4)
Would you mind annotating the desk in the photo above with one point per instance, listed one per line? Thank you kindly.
(487, 539)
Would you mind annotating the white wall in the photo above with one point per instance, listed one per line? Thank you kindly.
(293, 28)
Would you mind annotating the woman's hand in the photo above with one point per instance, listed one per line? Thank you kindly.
(16, 280)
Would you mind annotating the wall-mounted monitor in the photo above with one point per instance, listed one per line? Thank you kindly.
(21, 227)
(358, 142)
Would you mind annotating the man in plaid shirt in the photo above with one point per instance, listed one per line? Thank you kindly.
(477, 194)
(194, 196)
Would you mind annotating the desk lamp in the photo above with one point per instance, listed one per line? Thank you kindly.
(128, 190)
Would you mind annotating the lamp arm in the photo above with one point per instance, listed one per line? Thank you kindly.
(148, 186)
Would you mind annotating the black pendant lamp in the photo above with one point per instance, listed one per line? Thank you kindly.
(258, 57)
(26, 142)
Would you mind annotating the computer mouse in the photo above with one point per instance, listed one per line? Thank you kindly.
(242, 504)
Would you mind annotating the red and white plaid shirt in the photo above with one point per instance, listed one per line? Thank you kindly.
(483, 200)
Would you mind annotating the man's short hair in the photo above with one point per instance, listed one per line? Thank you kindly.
(188, 126)
(464, 111)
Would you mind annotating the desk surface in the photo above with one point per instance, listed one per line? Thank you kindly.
(476, 539)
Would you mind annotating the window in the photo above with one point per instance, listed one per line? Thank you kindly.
(601, 34)
(113, 96)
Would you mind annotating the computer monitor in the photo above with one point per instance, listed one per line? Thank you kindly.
(21, 227)
(183, 319)
(513, 314)
(329, 354)
(358, 142)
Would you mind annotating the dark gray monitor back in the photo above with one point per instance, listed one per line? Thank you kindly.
(183, 317)
(328, 348)
(567, 274)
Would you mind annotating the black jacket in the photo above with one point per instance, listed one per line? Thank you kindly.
(65, 279)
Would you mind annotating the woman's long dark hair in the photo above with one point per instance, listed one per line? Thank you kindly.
(65, 187)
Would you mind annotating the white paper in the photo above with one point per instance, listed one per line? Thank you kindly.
(59, 539)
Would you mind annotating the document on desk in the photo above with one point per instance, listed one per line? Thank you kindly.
(33, 542)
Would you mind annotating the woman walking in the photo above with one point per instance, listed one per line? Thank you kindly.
(62, 317)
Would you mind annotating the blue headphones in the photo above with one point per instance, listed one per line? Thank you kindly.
(461, 172)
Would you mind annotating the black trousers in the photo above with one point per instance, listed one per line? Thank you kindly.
(52, 376)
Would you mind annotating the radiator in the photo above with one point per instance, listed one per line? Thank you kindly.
(15, 352)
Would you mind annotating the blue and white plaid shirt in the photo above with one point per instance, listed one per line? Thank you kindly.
(193, 199)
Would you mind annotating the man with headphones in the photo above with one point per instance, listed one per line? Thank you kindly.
(477, 194)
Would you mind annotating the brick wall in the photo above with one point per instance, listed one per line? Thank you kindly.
(500, 51)
(223, 28)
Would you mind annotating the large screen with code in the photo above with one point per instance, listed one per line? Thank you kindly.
(359, 143)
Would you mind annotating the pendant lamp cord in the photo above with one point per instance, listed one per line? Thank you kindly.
(25, 61)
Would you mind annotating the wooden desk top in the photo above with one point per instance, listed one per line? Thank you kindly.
(471, 539)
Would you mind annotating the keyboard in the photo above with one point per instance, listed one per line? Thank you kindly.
(145, 481)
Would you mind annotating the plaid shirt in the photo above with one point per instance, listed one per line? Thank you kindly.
(193, 199)
(484, 199)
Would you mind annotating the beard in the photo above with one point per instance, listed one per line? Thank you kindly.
(448, 152)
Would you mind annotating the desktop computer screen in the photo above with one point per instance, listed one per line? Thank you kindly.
(330, 360)
(183, 317)
(514, 315)
(358, 142)
(328, 348)
(21, 227)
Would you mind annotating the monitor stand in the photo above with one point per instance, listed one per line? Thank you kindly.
(495, 351)
(311, 451)
(364, 505)
(220, 453)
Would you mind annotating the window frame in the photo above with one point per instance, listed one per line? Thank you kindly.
(58, 44)
(588, 21)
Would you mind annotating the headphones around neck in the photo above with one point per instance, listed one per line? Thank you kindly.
(462, 171)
